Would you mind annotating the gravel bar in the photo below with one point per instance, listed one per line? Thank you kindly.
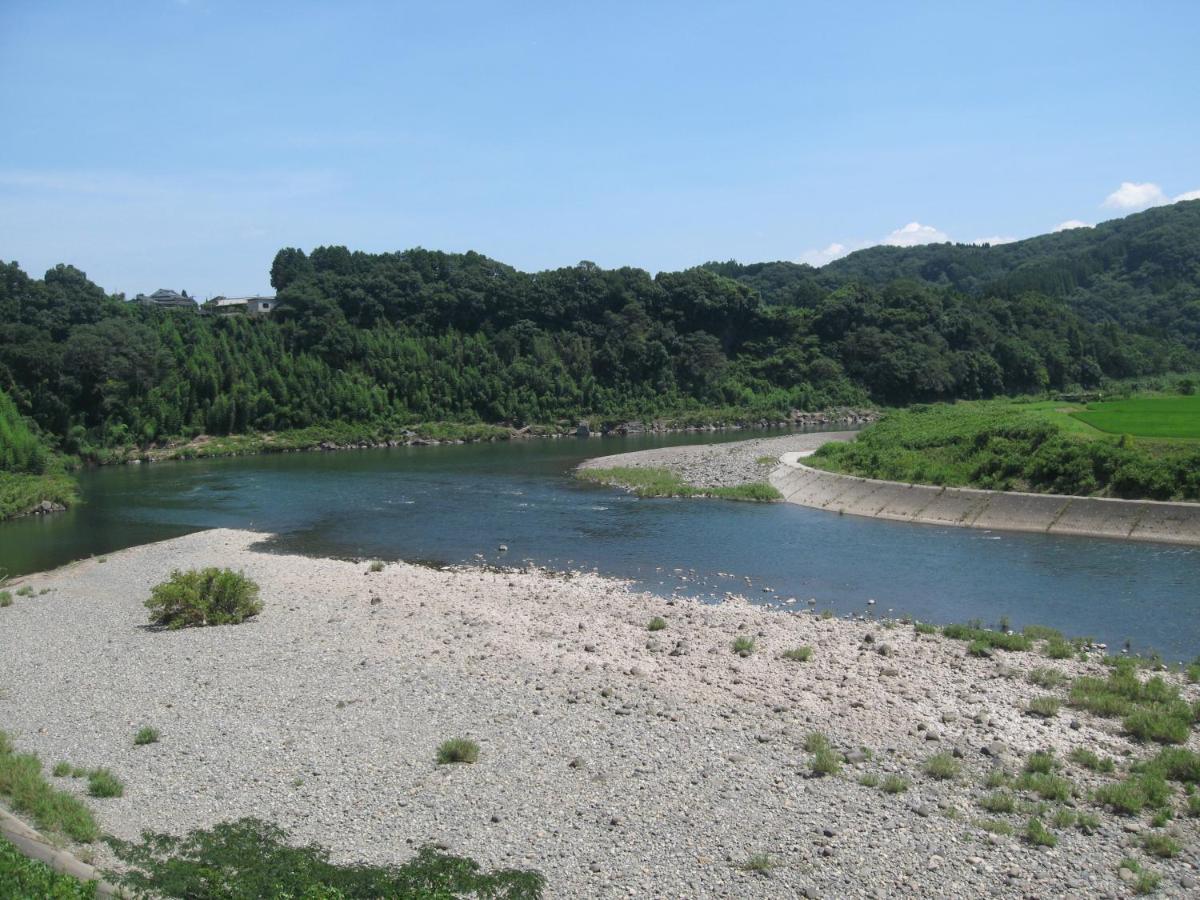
(620, 762)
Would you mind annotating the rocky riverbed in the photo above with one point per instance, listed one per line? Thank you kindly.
(721, 465)
(617, 760)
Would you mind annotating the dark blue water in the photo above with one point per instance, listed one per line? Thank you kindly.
(447, 504)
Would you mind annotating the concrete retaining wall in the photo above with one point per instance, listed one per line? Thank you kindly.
(1135, 520)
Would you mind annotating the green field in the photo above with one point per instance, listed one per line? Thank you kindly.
(1152, 417)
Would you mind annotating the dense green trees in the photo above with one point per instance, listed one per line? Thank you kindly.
(419, 336)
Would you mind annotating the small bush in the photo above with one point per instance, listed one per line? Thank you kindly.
(1045, 707)
(798, 654)
(1042, 633)
(1041, 762)
(894, 784)
(1147, 880)
(1048, 787)
(1162, 723)
(203, 597)
(997, 639)
(924, 628)
(1087, 823)
(1059, 650)
(869, 779)
(1161, 845)
(995, 826)
(1193, 806)
(815, 740)
(997, 778)
(942, 766)
(1047, 678)
(1064, 818)
(103, 783)
(376, 566)
(1092, 761)
(743, 646)
(26, 591)
(61, 770)
(457, 750)
(656, 624)
(1037, 834)
(979, 649)
(758, 862)
(145, 735)
(1135, 793)
(999, 802)
(5, 599)
(826, 762)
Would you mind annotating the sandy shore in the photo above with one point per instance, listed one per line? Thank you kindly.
(617, 761)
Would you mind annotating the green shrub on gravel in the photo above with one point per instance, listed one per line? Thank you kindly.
(1150, 710)
(942, 766)
(251, 858)
(457, 750)
(1038, 835)
(1041, 762)
(61, 770)
(995, 826)
(1193, 671)
(1147, 880)
(1163, 723)
(894, 784)
(1047, 678)
(1087, 823)
(376, 566)
(658, 623)
(1045, 707)
(27, 791)
(1092, 761)
(5, 599)
(826, 761)
(758, 862)
(1174, 764)
(1058, 650)
(21, 878)
(998, 639)
(145, 735)
(1048, 787)
(815, 740)
(743, 646)
(1042, 633)
(1161, 845)
(798, 654)
(999, 802)
(199, 597)
(924, 628)
(1137, 792)
(869, 779)
(103, 783)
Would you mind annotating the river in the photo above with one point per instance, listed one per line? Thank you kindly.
(446, 504)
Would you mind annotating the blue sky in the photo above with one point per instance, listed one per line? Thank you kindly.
(180, 144)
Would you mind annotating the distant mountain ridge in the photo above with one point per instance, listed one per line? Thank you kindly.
(1141, 271)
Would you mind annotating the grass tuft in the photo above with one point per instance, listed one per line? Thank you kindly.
(1038, 835)
(145, 735)
(743, 646)
(658, 623)
(103, 783)
(457, 750)
(1045, 707)
(942, 766)
(797, 654)
(53, 811)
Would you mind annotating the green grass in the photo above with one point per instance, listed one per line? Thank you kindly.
(1092, 761)
(457, 750)
(656, 624)
(1045, 707)
(999, 802)
(942, 766)
(1137, 792)
(21, 878)
(814, 741)
(995, 826)
(925, 628)
(5, 599)
(53, 811)
(654, 482)
(1047, 787)
(797, 654)
(250, 858)
(758, 862)
(894, 784)
(1153, 417)
(1161, 845)
(145, 735)
(376, 566)
(1150, 710)
(1006, 445)
(1147, 881)
(1040, 762)
(826, 761)
(987, 638)
(869, 779)
(743, 646)
(1047, 678)
(103, 783)
(1038, 835)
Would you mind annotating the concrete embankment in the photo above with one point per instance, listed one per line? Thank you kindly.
(1137, 520)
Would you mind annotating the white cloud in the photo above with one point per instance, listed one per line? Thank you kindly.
(1190, 195)
(1131, 195)
(997, 239)
(818, 258)
(1069, 224)
(913, 234)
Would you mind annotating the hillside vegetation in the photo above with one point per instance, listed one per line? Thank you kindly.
(29, 471)
(382, 342)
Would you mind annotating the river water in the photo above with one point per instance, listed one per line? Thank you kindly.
(447, 504)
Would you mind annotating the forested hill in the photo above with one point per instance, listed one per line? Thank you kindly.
(1142, 271)
(392, 339)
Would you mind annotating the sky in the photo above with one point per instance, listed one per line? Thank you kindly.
(181, 144)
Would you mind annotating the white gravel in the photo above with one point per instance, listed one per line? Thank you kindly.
(323, 715)
(721, 465)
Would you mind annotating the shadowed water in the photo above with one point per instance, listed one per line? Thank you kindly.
(447, 504)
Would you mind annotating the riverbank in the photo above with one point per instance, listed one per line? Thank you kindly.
(617, 760)
(28, 495)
